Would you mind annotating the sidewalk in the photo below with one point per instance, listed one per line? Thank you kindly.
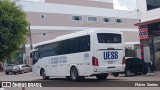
(1, 73)
(157, 73)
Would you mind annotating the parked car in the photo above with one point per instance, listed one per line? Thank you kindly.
(23, 68)
(132, 65)
(9, 67)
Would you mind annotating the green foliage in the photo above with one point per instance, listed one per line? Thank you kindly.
(13, 28)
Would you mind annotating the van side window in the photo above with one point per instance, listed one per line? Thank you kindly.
(68, 46)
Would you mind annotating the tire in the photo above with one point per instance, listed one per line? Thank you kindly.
(74, 74)
(102, 76)
(22, 71)
(81, 77)
(128, 73)
(136, 73)
(68, 77)
(6, 73)
(44, 75)
(144, 72)
(115, 74)
(14, 73)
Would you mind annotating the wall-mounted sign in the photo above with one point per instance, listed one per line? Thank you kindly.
(143, 32)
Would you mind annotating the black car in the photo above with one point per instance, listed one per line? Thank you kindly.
(132, 65)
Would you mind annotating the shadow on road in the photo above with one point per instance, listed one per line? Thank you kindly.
(85, 80)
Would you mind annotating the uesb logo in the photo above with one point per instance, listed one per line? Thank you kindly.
(110, 55)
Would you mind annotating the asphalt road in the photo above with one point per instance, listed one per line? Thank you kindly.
(31, 77)
(90, 83)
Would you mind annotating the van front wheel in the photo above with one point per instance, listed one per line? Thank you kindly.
(43, 74)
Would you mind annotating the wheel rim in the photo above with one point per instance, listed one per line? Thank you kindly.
(43, 74)
(128, 72)
(74, 74)
(116, 74)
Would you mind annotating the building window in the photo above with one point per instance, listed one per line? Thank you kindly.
(153, 4)
(44, 34)
(118, 20)
(92, 19)
(77, 18)
(106, 20)
(42, 16)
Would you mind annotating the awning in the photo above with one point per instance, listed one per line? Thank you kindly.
(147, 22)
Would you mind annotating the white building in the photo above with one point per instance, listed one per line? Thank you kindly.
(51, 18)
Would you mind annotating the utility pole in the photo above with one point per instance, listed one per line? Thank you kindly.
(30, 37)
(141, 41)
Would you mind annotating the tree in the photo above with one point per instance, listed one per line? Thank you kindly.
(13, 28)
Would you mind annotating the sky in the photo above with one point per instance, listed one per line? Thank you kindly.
(125, 4)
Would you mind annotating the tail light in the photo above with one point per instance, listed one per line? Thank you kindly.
(95, 61)
(123, 60)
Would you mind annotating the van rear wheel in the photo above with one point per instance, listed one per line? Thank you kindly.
(74, 75)
(115, 74)
(102, 76)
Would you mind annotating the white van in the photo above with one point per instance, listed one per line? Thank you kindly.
(79, 55)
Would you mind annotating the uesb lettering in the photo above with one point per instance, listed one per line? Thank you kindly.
(110, 55)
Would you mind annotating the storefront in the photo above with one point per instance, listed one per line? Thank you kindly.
(149, 34)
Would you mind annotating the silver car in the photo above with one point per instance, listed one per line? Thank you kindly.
(23, 68)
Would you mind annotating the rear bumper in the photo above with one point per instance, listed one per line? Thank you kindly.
(17, 71)
(108, 69)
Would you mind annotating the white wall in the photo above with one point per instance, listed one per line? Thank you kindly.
(77, 10)
(147, 56)
(147, 15)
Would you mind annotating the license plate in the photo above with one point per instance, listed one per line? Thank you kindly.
(110, 62)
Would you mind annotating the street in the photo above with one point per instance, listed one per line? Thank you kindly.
(31, 77)
(87, 84)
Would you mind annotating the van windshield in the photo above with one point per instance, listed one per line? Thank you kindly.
(109, 38)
